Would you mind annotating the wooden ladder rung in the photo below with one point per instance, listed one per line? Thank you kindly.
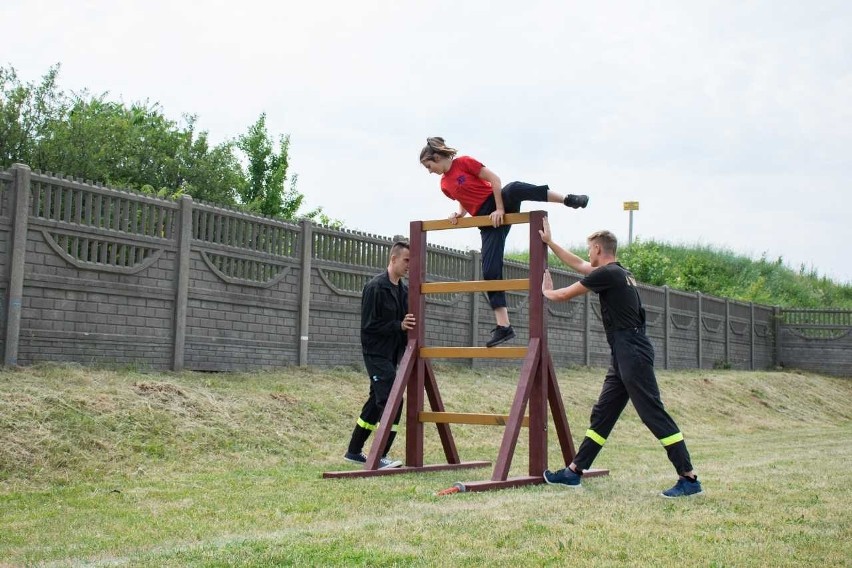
(473, 352)
(475, 286)
(469, 418)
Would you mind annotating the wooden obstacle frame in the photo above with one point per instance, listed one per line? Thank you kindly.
(537, 388)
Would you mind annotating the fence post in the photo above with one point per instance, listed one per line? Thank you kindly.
(182, 292)
(700, 326)
(777, 313)
(476, 274)
(727, 332)
(305, 290)
(667, 318)
(19, 210)
(751, 334)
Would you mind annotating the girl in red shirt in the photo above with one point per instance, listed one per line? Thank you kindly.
(480, 192)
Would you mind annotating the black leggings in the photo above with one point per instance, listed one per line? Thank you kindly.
(494, 238)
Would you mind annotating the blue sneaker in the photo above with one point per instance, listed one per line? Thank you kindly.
(564, 477)
(683, 488)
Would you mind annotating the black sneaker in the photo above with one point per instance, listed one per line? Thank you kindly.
(500, 335)
(564, 477)
(576, 201)
(684, 488)
(355, 458)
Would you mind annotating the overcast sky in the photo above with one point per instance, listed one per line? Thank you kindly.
(729, 122)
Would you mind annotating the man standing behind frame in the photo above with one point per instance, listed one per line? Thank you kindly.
(385, 322)
(631, 373)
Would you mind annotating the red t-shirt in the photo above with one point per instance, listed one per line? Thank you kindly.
(462, 183)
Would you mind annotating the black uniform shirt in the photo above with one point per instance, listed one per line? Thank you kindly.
(621, 307)
(383, 307)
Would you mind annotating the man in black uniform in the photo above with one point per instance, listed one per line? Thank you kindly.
(385, 322)
(631, 374)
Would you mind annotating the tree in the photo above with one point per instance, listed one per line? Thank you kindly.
(266, 189)
(211, 175)
(26, 111)
(138, 147)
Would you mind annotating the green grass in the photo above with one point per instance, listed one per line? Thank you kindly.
(720, 272)
(128, 468)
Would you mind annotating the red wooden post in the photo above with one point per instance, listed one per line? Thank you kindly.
(417, 306)
(538, 330)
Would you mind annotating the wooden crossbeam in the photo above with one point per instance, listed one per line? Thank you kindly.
(475, 286)
(480, 221)
(468, 418)
(473, 352)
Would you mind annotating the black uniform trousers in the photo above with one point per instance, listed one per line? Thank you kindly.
(382, 372)
(494, 238)
(631, 377)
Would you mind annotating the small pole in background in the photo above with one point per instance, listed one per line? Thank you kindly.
(631, 206)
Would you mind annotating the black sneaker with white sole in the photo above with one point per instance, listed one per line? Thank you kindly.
(384, 463)
(355, 458)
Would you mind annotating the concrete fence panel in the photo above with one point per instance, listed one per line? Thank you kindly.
(96, 275)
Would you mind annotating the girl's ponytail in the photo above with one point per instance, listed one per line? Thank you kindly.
(436, 148)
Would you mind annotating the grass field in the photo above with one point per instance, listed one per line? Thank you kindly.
(129, 468)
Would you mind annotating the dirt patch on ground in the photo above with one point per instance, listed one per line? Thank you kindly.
(284, 398)
(143, 388)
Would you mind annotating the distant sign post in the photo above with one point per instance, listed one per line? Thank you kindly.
(631, 206)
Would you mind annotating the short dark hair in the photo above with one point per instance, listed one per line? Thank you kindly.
(398, 246)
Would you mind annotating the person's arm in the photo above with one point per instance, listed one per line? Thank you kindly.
(578, 264)
(497, 189)
(560, 294)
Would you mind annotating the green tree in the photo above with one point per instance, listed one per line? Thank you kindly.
(266, 190)
(26, 113)
(209, 174)
(97, 139)
(139, 148)
(136, 146)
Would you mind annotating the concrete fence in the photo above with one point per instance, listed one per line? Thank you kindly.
(101, 276)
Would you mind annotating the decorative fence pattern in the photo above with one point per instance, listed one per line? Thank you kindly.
(817, 340)
(96, 275)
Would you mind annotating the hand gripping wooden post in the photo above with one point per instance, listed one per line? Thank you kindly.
(536, 389)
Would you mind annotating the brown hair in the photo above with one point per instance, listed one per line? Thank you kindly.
(606, 239)
(436, 148)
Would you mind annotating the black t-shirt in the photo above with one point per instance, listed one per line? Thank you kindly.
(621, 307)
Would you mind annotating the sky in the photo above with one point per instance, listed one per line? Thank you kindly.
(730, 122)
